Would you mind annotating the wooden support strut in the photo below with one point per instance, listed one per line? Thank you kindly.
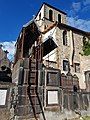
(22, 42)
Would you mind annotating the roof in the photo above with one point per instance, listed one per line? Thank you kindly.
(30, 22)
(44, 3)
(67, 27)
(25, 26)
(88, 33)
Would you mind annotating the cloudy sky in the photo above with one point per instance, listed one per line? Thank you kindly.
(15, 13)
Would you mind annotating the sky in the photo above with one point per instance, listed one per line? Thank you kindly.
(15, 13)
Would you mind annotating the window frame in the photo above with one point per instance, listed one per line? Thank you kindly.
(65, 37)
(59, 18)
(65, 68)
(50, 15)
(75, 67)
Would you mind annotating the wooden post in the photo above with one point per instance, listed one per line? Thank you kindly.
(23, 34)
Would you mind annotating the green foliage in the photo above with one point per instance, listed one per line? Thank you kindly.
(86, 48)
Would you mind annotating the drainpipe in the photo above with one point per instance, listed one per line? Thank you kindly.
(71, 48)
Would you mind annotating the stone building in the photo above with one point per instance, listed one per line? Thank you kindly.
(62, 44)
(50, 68)
(67, 53)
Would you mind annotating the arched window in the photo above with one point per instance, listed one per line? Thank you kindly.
(65, 37)
(50, 15)
(59, 18)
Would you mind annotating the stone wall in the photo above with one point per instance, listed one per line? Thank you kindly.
(4, 114)
(6, 111)
(44, 22)
(71, 52)
(55, 14)
(66, 53)
(85, 63)
(29, 101)
(85, 66)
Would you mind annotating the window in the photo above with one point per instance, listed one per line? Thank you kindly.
(65, 65)
(89, 78)
(40, 16)
(45, 27)
(59, 18)
(65, 37)
(84, 40)
(50, 15)
(77, 67)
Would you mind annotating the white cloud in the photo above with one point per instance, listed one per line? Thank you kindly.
(79, 23)
(76, 6)
(76, 9)
(86, 2)
(10, 47)
(81, 7)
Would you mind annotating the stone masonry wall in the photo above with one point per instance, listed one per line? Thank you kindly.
(45, 17)
(6, 111)
(85, 66)
(65, 53)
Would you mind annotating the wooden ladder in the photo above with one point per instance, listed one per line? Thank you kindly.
(33, 90)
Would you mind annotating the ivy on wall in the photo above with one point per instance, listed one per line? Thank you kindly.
(86, 47)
